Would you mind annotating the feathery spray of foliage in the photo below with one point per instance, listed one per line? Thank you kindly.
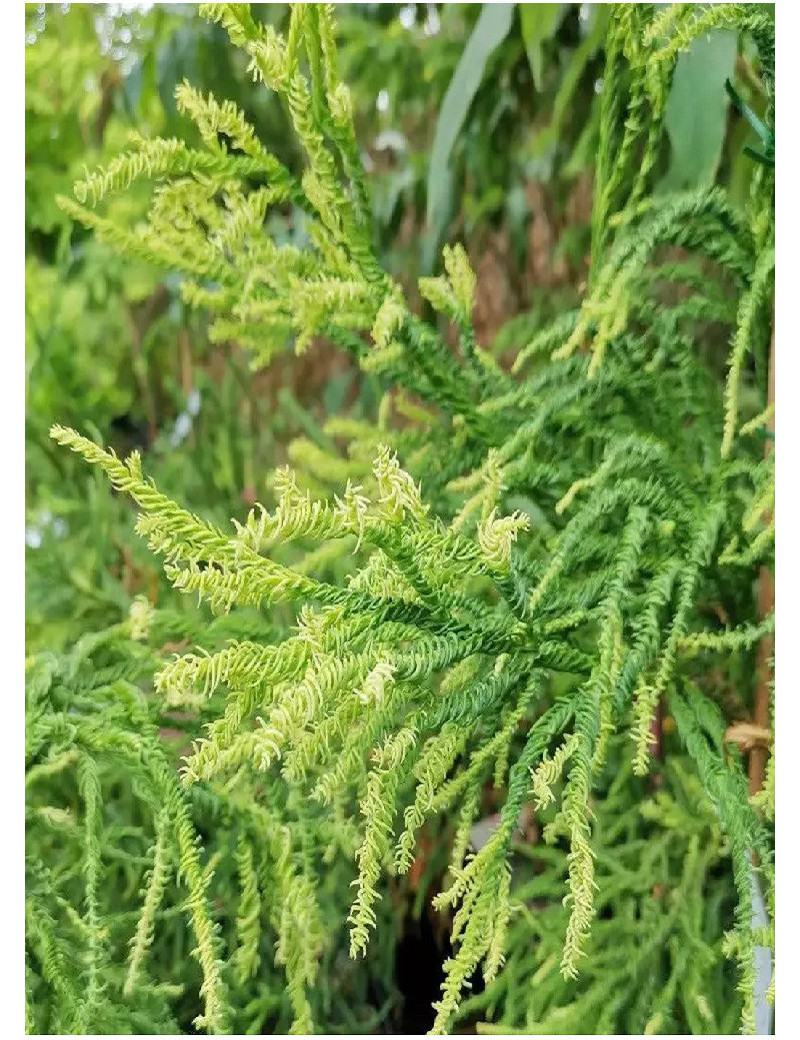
(83, 712)
(654, 961)
(532, 581)
(128, 872)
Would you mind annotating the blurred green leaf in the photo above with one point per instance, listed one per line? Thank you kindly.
(592, 42)
(539, 22)
(696, 127)
(491, 29)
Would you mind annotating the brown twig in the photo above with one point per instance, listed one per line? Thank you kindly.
(657, 742)
(110, 80)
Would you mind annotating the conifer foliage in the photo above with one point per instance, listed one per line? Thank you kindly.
(535, 554)
(114, 853)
